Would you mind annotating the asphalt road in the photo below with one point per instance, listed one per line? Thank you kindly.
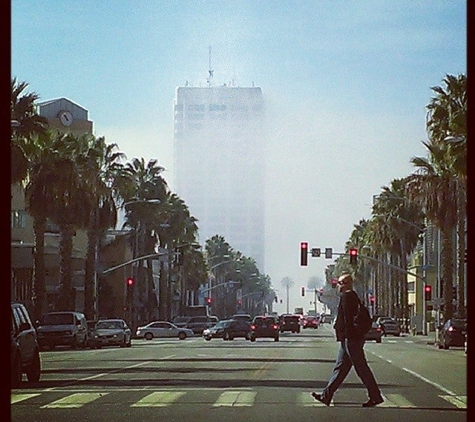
(216, 381)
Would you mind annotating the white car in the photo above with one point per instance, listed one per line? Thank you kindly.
(163, 329)
(110, 332)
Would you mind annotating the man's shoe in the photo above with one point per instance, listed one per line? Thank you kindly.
(319, 397)
(372, 403)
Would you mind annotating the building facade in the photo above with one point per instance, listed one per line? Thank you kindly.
(219, 163)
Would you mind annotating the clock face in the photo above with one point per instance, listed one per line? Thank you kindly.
(66, 118)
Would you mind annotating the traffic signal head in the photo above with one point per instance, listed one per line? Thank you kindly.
(303, 291)
(130, 282)
(428, 292)
(209, 300)
(303, 253)
(353, 256)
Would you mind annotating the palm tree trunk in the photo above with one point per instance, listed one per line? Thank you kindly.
(41, 305)
(67, 297)
(447, 270)
(461, 233)
(90, 273)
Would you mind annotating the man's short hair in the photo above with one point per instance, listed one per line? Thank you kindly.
(346, 278)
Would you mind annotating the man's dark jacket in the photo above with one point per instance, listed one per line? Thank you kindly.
(347, 309)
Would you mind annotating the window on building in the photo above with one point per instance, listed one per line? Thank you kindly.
(18, 219)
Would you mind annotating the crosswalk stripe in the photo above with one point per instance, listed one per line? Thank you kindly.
(236, 399)
(159, 399)
(396, 400)
(20, 397)
(306, 400)
(230, 398)
(459, 401)
(73, 400)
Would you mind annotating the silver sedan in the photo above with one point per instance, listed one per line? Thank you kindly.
(163, 329)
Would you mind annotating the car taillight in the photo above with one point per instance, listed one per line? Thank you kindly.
(451, 329)
(275, 326)
(253, 327)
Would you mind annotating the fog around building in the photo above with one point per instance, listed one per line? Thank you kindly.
(345, 86)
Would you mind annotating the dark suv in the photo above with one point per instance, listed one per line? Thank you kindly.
(264, 326)
(25, 353)
(289, 322)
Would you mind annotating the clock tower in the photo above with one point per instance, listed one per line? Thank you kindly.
(65, 116)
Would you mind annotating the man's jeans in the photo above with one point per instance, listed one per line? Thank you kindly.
(351, 353)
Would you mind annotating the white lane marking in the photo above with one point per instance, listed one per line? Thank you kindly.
(445, 390)
(459, 401)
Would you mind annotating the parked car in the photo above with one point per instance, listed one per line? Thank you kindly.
(199, 323)
(389, 325)
(163, 329)
(181, 321)
(264, 326)
(375, 333)
(309, 321)
(66, 328)
(25, 351)
(453, 333)
(289, 322)
(110, 332)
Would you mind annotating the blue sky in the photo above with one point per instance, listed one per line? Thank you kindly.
(346, 85)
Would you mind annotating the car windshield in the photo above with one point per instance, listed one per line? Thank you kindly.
(109, 325)
(58, 319)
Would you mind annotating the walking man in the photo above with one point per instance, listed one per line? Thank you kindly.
(351, 352)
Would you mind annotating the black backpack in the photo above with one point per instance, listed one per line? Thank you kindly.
(363, 320)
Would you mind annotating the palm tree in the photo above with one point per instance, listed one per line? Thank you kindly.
(103, 169)
(141, 186)
(434, 187)
(447, 119)
(287, 283)
(29, 124)
(400, 224)
(59, 192)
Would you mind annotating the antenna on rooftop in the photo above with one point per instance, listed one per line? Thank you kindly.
(210, 71)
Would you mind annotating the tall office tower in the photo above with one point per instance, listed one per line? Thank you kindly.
(219, 148)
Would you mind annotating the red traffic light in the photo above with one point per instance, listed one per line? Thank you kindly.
(353, 255)
(303, 253)
(428, 292)
(130, 281)
(209, 300)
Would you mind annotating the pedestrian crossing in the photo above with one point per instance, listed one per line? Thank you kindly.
(227, 398)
